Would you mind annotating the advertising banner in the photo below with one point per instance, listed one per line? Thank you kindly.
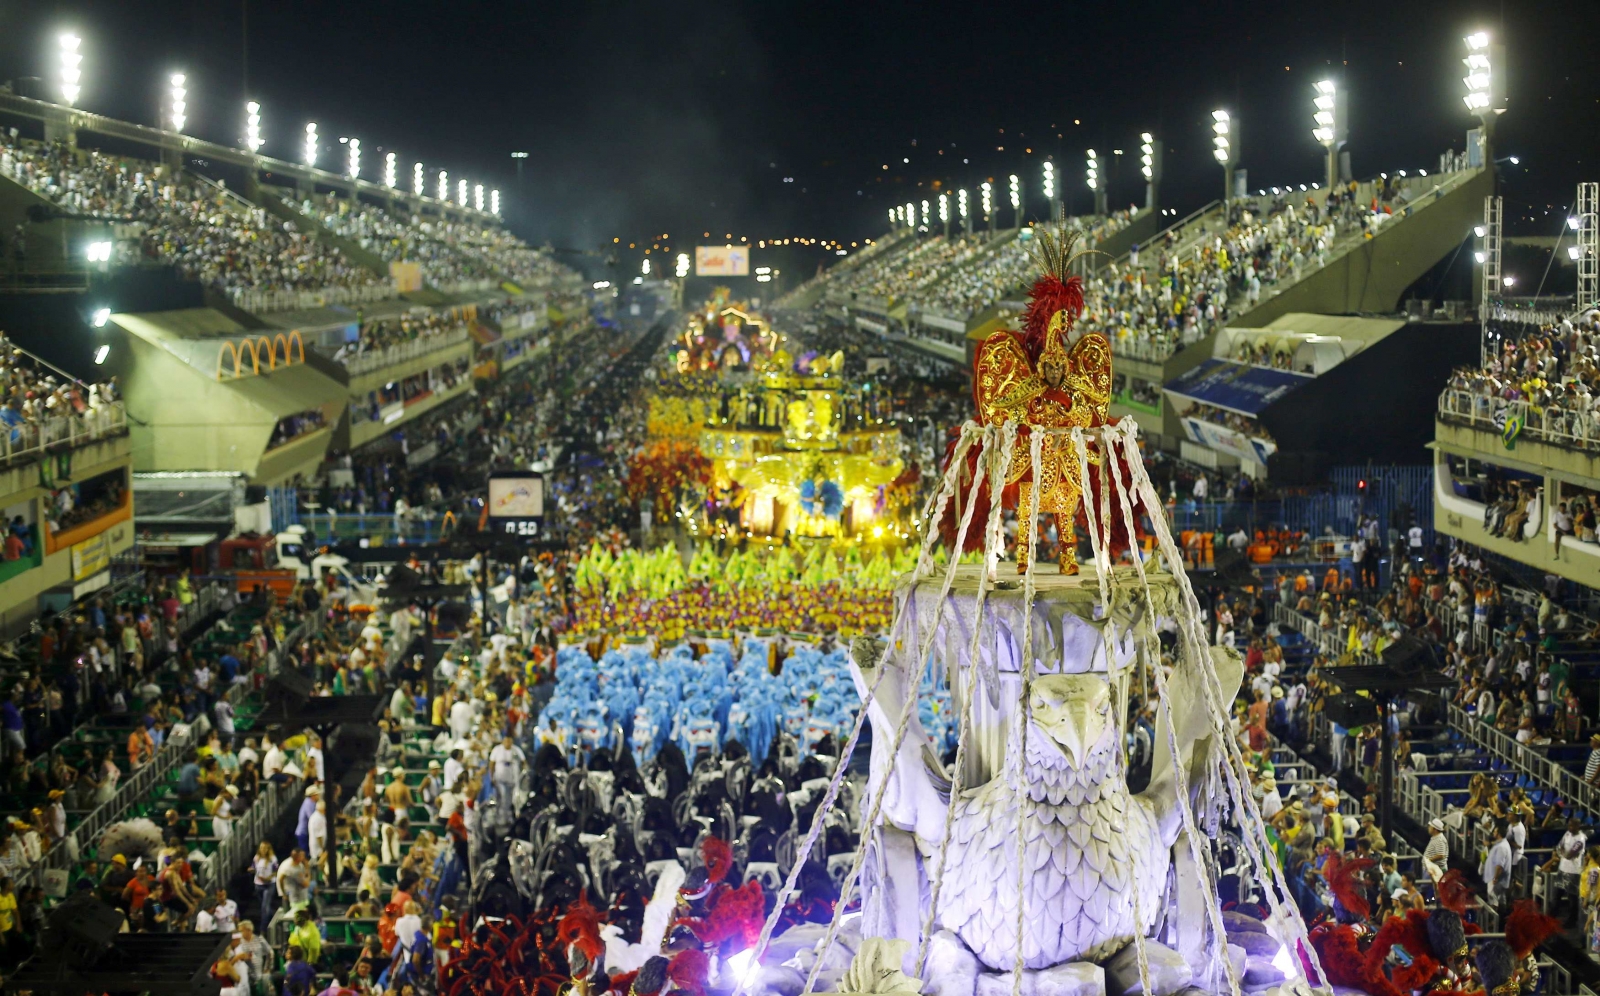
(1225, 440)
(721, 261)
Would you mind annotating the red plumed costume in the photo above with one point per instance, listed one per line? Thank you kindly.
(689, 972)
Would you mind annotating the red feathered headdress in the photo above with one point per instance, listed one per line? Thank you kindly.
(717, 857)
(580, 928)
(1342, 877)
(1054, 292)
(689, 971)
(1527, 927)
(1453, 891)
(737, 914)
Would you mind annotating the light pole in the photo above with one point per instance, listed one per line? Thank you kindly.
(927, 225)
(1330, 125)
(944, 213)
(1486, 86)
(1016, 200)
(391, 175)
(418, 184)
(1225, 149)
(177, 102)
(308, 151)
(70, 72)
(252, 126)
(1150, 168)
(519, 157)
(961, 209)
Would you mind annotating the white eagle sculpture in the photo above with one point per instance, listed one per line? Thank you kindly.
(1090, 847)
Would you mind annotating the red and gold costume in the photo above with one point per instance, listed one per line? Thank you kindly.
(1046, 377)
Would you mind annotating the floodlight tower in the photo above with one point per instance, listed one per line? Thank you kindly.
(1585, 223)
(1225, 150)
(1016, 200)
(1150, 168)
(944, 213)
(986, 193)
(1486, 85)
(1488, 258)
(1092, 179)
(58, 125)
(1330, 124)
(252, 126)
(308, 154)
(927, 221)
(1050, 190)
(961, 210)
(418, 184)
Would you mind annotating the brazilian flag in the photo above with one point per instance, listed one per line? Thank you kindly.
(1511, 430)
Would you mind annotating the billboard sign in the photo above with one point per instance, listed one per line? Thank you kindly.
(721, 261)
(516, 503)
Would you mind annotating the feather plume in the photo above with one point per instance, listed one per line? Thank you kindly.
(1055, 291)
(718, 858)
(1527, 927)
(1453, 891)
(689, 971)
(580, 928)
(1342, 876)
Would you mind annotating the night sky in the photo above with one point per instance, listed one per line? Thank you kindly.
(642, 119)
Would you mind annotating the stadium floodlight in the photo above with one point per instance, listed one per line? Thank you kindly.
(461, 193)
(98, 252)
(1016, 199)
(252, 126)
(309, 155)
(925, 218)
(1221, 142)
(1322, 115)
(418, 186)
(1573, 252)
(353, 170)
(101, 316)
(911, 214)
(1049, 180)
(477, 196)
(101, 354)
(1480, 72)
(390, 177)
(644, 267)
(961, 203)
(1480, 231)
(68, 46)
(494, 202)
(986, 190)
(444, 185)
(1575, 223)
(944, 208)
(683, 264)
(893, 217)
(1147, 157)
(1091, 174)
(177, 101)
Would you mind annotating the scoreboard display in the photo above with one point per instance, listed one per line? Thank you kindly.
(516, 504)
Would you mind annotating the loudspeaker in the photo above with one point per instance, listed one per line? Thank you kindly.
(81, 930)
(1409, 656)
(1350, 711)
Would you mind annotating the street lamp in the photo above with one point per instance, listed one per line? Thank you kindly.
(252, 126)
(986, 198)
(309, 153)
(1330, 124)
(1016, 200)
(1150, 167)
(1224, 149)
(177, 105)
(391, 178)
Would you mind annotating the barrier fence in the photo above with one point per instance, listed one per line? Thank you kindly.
(1563, 426)
(29, 440)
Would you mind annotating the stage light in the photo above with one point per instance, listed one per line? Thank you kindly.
(390, 179)
(1574, 223)
(252, 126)
(1480, 257)
(1509, 281)
(444, 185)
(477, 196)
(177, 104)
(1574, 252)
(309, 154)
(353, 169)
(101, 354)
(98, 252)
(1091, 174)
(101, 316)
(71, 67)
(1480, 231)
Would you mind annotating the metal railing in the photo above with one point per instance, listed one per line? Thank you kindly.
(377, 359)
(265, 301)
(29, 440)
(1552, 424)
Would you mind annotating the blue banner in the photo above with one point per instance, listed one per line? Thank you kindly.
(1238, 387)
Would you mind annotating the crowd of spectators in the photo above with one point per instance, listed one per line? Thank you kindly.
(33, 394)
(210, 235)
(1243, 424)
(1552, 376)
(395, 239)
